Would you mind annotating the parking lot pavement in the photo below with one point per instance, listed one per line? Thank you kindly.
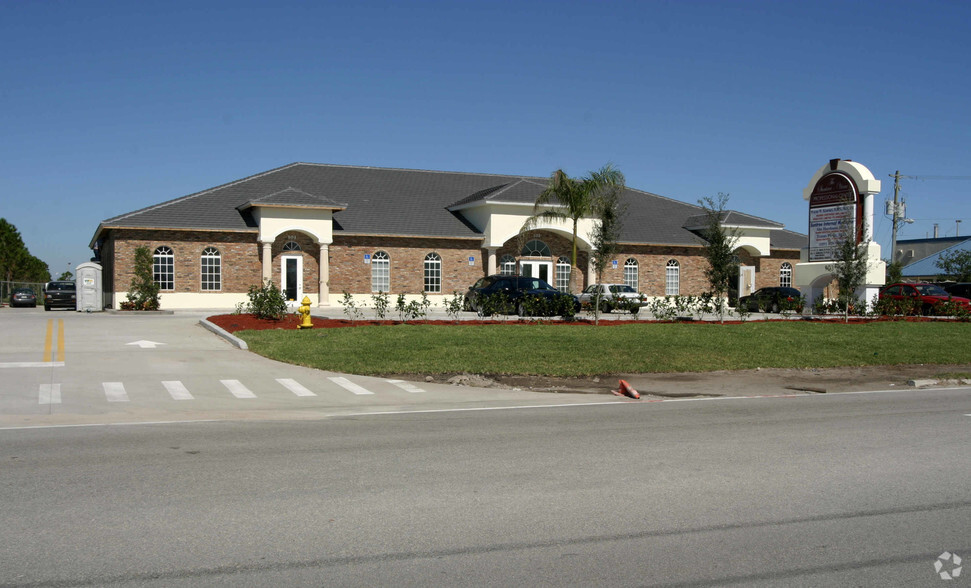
(69, 368)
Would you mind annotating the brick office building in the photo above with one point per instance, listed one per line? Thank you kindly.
(322, 230)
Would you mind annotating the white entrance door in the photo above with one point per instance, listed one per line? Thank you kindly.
(537, 269)
(291, 272)
(746, 280)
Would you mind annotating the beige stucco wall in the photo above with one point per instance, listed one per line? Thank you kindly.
(275, 221)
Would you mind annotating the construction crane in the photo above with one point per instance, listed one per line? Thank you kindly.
(898, 216)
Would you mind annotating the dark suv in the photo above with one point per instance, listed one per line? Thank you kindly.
(60, 295)
(772, 300)
(520, 294)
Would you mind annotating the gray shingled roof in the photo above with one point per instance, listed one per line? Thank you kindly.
(295, 198)
(383, 201)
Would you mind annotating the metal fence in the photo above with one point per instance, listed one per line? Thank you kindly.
(7, 288)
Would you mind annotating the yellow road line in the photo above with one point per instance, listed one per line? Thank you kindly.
(60, 340)
(48, 340)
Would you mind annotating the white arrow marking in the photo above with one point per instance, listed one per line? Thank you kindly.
(146, 344)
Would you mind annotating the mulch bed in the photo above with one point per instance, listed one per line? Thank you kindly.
(239, 322)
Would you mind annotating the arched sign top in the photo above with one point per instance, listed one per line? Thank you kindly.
(834, 188)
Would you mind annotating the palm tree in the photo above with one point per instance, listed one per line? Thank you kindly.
(567, 198)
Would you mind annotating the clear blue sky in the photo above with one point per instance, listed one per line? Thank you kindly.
(107, 107)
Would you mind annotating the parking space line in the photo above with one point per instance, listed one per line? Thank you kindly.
(115, 391)
(49, 394)
(406, 386)
(349, 385)
(237, 389)
(177, 390)
(295, 387)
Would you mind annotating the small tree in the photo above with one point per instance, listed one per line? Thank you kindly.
(849, 268)
(571, 199)
(894, 272)
(955, 265)
(606, 232)
(719, 250)
(143, 291)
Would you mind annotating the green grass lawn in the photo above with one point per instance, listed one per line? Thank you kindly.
(559, 350)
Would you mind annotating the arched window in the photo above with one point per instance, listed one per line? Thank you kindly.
(163, 268)
(630, 273)
(536, 248)
(672, 278)
(433, 273)
(291, 246)
(507, 265)
(563, 274)
(785, 275)
(211, 270)
(380, 272)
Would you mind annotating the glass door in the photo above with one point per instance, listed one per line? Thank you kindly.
(291, 272)
(537, 269)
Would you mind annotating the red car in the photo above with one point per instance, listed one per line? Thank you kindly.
(924, 297)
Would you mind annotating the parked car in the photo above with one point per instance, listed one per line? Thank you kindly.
(923, 296)
(23, 297)
(60, 295)
(613, 296)
(772, 299)
(518, 294)
(962, 289)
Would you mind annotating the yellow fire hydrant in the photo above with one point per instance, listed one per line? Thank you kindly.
(304, 310)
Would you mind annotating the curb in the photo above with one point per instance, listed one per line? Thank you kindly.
(232, 339)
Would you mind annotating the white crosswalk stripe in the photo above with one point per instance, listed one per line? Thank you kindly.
(349, 385)
(237, 389)
(406, 386)
(49, 394)
(295, 387)
(115, 391)
(177, 390)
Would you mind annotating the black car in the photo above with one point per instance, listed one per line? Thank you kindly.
(23, 297)
(60, 295)
(519, 294)
(962, 289)
(772, 300)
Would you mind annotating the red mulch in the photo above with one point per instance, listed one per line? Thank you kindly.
(239, 322)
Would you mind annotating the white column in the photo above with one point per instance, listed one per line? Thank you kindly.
(324, 296)
(868, 217)
(267, 261)
(591, 272)
(491, 264)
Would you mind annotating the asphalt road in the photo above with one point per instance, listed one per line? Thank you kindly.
(831, 490)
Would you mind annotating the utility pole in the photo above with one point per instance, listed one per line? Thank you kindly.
(896, 210)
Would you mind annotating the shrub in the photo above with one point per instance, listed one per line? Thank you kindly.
(266, 301)
(350, 307)
(663, 309)
(381, 305)
(455, 305)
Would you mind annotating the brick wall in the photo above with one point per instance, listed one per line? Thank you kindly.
(239, 253)
(241, 261)
(349, 273)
